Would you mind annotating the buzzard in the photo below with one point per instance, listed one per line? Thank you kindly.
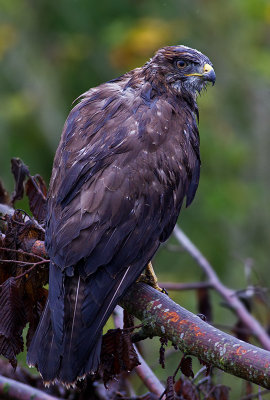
(127, 159)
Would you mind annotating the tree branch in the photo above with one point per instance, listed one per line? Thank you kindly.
(185, 286)
(191, 334)
(148, 377)
(195, 337)
(228, 294)
(11, 389)
(143, 370)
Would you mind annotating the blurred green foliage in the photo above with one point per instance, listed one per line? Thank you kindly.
(52, 51)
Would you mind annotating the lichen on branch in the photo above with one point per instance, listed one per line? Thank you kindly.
(195, 337)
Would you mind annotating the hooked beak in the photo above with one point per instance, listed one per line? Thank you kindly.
(208, 74)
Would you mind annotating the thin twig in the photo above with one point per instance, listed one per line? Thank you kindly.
(201, 371)
(132, 328)
(30, 269)
(25, 213)
(21, 252)
(213, 388)
(148, 377)
(226, 293)
(254, 395)
(22, 263)
(244, 331)
(185, 286)
(25, 263)
(33, 266)
(202, 381)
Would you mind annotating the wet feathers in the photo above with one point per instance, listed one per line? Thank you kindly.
(127, 159)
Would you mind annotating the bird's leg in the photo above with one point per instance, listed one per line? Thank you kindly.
(150, 277)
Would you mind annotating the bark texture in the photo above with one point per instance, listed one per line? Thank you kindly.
(195, 337)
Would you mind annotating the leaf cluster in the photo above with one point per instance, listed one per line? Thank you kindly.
(23, 274)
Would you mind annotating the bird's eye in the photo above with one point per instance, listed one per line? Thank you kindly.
(181, 64)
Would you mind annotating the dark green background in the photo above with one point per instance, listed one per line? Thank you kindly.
(52, 51)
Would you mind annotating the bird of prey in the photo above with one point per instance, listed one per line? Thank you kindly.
(127, 159)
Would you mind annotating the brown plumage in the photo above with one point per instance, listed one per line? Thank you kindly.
(128, 156)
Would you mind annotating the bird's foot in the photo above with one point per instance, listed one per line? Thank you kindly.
(150, 278)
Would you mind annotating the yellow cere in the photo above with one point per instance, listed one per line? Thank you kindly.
(207, 68)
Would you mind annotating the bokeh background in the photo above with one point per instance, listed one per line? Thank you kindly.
(52, 51)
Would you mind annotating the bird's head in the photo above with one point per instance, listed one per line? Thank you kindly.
(185, 70)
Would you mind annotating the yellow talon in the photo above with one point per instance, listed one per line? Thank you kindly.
(150, 278)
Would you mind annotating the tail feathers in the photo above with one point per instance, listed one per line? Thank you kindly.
(93, 301)
(93, 361)
(56, 302)
(68, 359)
(68, 352)
(43, 348)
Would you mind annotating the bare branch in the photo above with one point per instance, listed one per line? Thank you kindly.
(143, 370)
(148, 377)
(21, 252)
(34, 266)
(228, 294)
(11, 389)
(195, 337)
(255, 395)
(185, 286)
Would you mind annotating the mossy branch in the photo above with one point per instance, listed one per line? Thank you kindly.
(192, 335)
(195, 337)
